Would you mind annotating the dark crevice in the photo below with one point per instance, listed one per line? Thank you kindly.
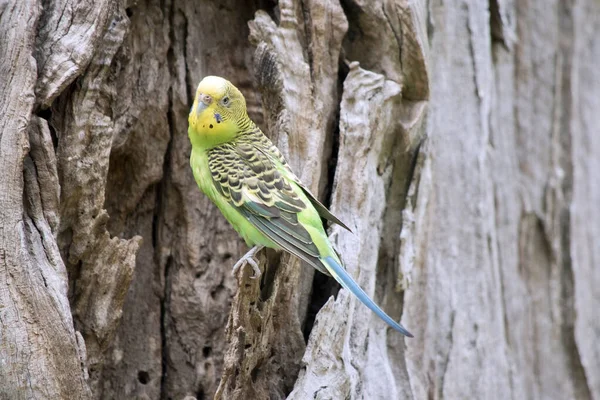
(497, 25)
(143, 377)
(324, 286)
(163, 329)
(189, 85)
(268, 277)
(31, 177)
(156, 215)
(254, 374)
(156, 222)
(74, 273)
(47, 115)
(53, 135)
(343, 70)
(416, 161)
(307, 18)
(353, 12)
(270, 7)
(159, 210)
(495, 22)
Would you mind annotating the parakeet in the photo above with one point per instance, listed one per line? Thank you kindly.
(249, 180)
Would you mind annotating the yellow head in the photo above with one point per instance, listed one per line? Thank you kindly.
(218, 110)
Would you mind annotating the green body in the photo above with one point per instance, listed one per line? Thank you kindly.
(252, 236)
(248, 179)
(309, 217)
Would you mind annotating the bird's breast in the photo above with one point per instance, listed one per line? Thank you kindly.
(201, 171)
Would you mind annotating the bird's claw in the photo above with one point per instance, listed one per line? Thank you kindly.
(248, 258)
(243, 261)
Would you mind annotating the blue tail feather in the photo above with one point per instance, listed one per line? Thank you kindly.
(346, 281)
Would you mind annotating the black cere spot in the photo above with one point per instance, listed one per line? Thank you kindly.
(210, 126)
(143, 377)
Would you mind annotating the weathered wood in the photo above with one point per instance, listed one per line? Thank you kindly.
(366, 127)
(380, 130)
(296, 64)
(495, 293)
(39, 355)
(458, 139)
(100, 266)
(583, 224)
(68, 34)
(196, 248)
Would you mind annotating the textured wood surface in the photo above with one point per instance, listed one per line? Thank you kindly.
(39, 352)
(457, 139)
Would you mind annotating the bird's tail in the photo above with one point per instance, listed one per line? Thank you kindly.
(340, 275)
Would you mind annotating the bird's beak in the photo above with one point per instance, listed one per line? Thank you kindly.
(200, 107)
(204, 101)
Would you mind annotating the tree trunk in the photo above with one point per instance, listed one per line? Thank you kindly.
(456, 139)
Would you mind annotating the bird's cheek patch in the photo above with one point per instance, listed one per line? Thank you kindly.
(206, 121)
(218, 118)
(212, 124)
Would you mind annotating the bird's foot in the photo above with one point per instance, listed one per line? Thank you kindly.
(248, 258)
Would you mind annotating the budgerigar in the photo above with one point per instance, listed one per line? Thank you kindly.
(248, 179)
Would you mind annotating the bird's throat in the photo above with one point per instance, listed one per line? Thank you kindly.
(207, 129)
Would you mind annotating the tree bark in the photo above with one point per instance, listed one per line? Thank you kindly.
(456, 139)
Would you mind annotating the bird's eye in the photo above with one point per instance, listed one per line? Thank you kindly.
(225, 101)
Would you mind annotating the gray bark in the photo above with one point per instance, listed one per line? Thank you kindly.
(457, 139)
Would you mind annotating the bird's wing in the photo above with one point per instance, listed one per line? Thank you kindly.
(253, 184)
(269, 149)
(321, 209)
